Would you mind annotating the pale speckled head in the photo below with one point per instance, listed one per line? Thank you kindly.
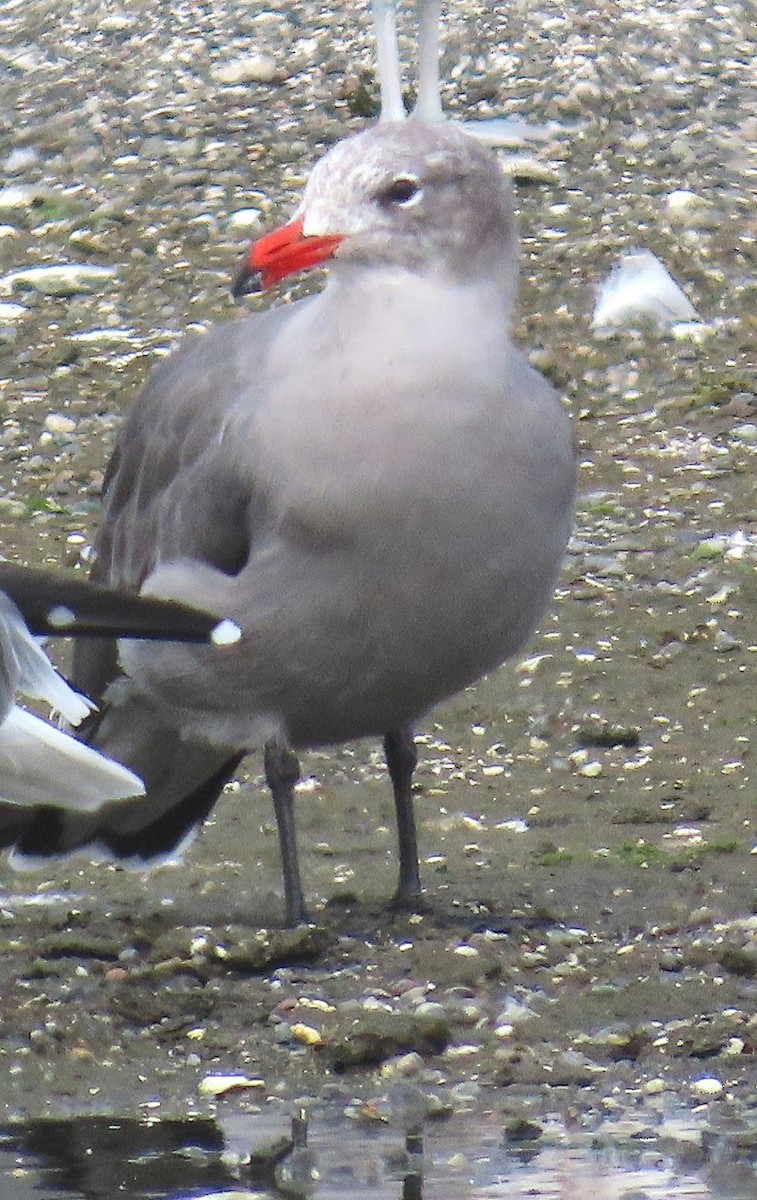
(407, 194)
(423, 196)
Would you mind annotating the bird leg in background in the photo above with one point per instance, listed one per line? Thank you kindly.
(388, 59)
(428, 106)
(282, 770)
(402, 759)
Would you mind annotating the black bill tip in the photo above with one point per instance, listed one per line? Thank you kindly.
(248, 281)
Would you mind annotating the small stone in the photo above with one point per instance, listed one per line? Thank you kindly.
(724, 642)
(265, 1156)
(653, 1087)
(591, 769)
(11, 312)
(467, 1050)
(503, 1032)
(597, 731)
(244, 219)
(514, 1013)
(57, 423)
(307, 1035)
(734, 1047)
(253, 68)
(115, 23)
(524, 168)
(375, 1036)
(430, 1008)
(520, 1129)
(18, 197)
(405, 1066)
(21, 158)
(707, 1088)
(687, 208)
(116, 974)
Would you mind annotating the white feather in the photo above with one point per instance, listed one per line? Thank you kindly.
(24, 667)
(40, 764)
(640, 290)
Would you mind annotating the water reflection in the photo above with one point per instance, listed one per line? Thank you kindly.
(265, 1155)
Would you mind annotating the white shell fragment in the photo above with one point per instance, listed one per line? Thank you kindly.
(640, 290)
(707, 1088)
(66, 279)
(500, 132)
(219, 1085)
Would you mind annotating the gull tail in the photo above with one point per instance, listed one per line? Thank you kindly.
(182, 782)
(40, 764)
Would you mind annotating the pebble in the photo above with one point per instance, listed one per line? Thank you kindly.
(253, 68)
(57, 423)
(687, 208)
(306, 1035)
(404, 1066)
(18, 197)
(591, 770)
(114, 23)
(244, 219)
(653, 1087)
(524, 168)
(707, 1088)
(21, 159)
(514, 1012)
(11, 312)
(430, 1008)
(464, 1051)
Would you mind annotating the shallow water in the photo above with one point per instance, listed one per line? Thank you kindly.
(99, 1158)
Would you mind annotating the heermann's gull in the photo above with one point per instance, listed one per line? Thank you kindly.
(372, 482)
(40, 764)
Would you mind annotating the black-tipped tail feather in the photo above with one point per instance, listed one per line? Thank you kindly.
(125, 831)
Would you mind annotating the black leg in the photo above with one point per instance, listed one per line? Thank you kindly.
(282, 770)
(401, 759)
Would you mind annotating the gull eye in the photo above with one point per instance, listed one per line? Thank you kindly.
(402, 192)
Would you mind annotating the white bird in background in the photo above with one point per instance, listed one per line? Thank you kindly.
(388, 60)
(497, 131)
(640, 291)
(40, 764)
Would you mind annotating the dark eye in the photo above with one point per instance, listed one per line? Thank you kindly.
(401, 191)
